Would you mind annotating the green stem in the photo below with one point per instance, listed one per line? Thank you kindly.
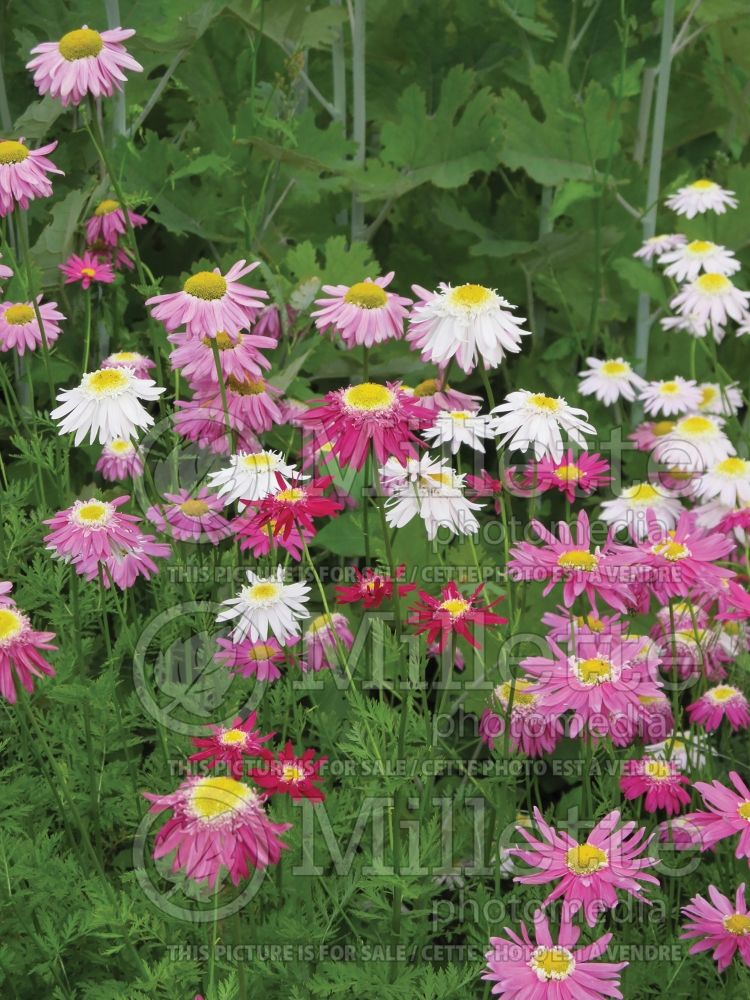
(23, 239)
(87, 334)
(231, 439)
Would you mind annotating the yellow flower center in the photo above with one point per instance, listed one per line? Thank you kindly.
(520, 695)
(696, 426)
(662, 427)
(672, 551)
(293, 495)
(578, 559)
(368, 397)
(366, 295)
(552, 963)
(743, 810)
(320, 623)
(233, 737)
(737, 923)
(585, 859)
(614, 368)
(88, 271)
(80, 44)
(641, 493)
(126, 356)
(12, 151)
(205, 285)
(19, 315)
(261, 652)
(260, 461)
(593, 671)
(106, 207)
(669, 388)
(708, 395)
(722, 693)
(713, 284)
(427, 388)
(11, 624)
(470, 296)
(263, 592)
(290, 772)
(194, 508)
(733, 467)
(649, 699)
(455, 607)
(250, 387)
(120, 446)
(460, 415)
(223, 341)
(594, 624)
(106, 381)
(92, 512)
(659, 770)
(700, 246)
(213, 798)
(703, 185)
(542, 402)
(568, 473)
(436, 478)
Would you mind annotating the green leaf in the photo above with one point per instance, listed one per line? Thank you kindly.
(55, 242)
(35, 121)
(568, 194)
(639, 277)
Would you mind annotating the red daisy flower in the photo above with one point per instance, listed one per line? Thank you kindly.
(230, 745)
(372, 588)
(295, 505)
(286, 773)
(453, 613)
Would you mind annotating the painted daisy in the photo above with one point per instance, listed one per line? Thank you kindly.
(722, 400)
(106, 405)
(140, 363)
(728, 480)
(295, 506)
(532, 731)
(364, 313)
(530, 418)
(286, 773)
(671, 396)
(120, 459)
(694, 325)
(609, 380)
(687, 261)
(688, 750)
(722, 701)
(436, 394)
(696, 443)
(659, 782)
(19, 329)
(721, 925)
(655, 246)
(453, 613)
(239, 356)
(86, 269)
(699, 197)
(712, 298)
(252, 476)
(457, 427)
(21, 651)
(431, 490)
(647, 434)
(573, 476)
(372, 587)
(190, 516)
(728, 814)
(231, 745)
(83, 62)
(107, 224)
(5, 272)
(628, 510)
(23, 174)
(92, 530)
(252, 659)
(325, 637)
(683, 561)
(267, 605)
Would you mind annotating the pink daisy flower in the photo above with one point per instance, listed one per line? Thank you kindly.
(264, 539)
(453, 614)
(83, 62)
(191, 517)
(124, 568)
(120, 459)
(589, 873)
(372, 588)
(435, 394)
(563, 624)
(231, 745)
(217, 823)
(680, 561)
(571, 476)
(140, 363)
(723, 701)
(364, 313)
(252, 659)
(5, 588)
(523, 968)
(285, 773)
(87, 270)
(21, 649)
(23, 174)
(268, 321)
(728, 813)
(292, 411)
(19, 329)
(202, 422)
(117, 257)
(252, 410)
(5, 272)
(107, 224)
(210, 302)
(532, 731)
(321, 641)
(239, 356)
(721, 925)
(646, 436)
(660, 781)
(656, 721)
(92, 531)
(680, 833)
(385, 415)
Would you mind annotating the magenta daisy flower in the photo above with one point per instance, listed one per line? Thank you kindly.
(364, 313)
(21, 649)
(83, 62)
(453, 614)
(231, 745)
(86, 269)
(117, 257)
(107, 224)
(23, 174)
(324, 636)
(723, 701)
(385, 415)
(563, 624)
(588, 874)
(532, 731)
(436, 394)
(19, 329)
(286, 773)
(140, 363)
(191, 517)
(680, 562)
(210, 302)
(660, 781)
(656, 721)
(523, 968)
(571, 476)
(239, 356)
(721, 925)
(252, 659)
(728, 813)
(123, 568)
(372, 588)
(217, 824)
(120, 459)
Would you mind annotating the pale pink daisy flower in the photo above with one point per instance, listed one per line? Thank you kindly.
(231, 745)
(120, 459)
(695, 443)
(239, 356)
(630, 509)
(292, 411)
(699, 197)
(589, 873)
(140, 363)
(21, 650)
(325, 636)
(660, 782)
(721, 925)
(647, 434)
(435, 394)
(654, 246)
(23, 174)
(252, 659)
(728, 813)
(5, 599)
(191, 516)
(252, 409)
(364, 313)
(19, 329)
(721, 400)
(680, 833)
(86, 269)
(687, 261)
(5, 272)
(721, 702)
(91, 530)
(210, 302)
(694, 325)
(202, 421)
(532, 731)
(83, 62)
(107, 224)
(712, 298)
(609, 380)
(671, 396)
(123, 568)
(217, 824)
(523, 968)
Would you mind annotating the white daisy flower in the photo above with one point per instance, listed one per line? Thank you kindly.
(699, 197)
(467, 322)
(685, 748)
(671, 396)
(457, 427)
(725, 401)
(531, 418)
(609, 380)
(695, 443)
(712, 298)
(656, 245)
(686, 262)
(728, 480)
(252, 476)
(267, 605)
(629, 509)
(429, 489)
(106, 405)
(690, 323)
